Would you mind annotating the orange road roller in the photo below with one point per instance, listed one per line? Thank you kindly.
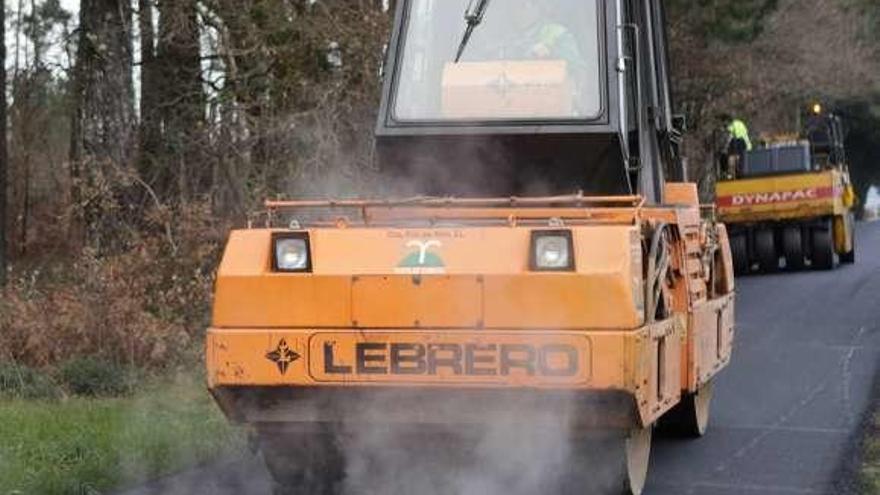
(552, 278)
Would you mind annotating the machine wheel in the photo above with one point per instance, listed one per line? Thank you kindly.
(611, 462)
(824, 257)
(690, 418)
(739, 248)
(638, 458)
(765, 249)
(302, 462)
(793, 247)
(850, 257)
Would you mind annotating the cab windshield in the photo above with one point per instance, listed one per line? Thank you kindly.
(527, 60)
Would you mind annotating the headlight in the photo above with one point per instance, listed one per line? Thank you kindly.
(552, 251)
(291, 253)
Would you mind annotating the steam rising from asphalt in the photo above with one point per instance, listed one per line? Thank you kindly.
(487, 173)
(501, 461)
(504, 458)
(526, 451)
(506, 454)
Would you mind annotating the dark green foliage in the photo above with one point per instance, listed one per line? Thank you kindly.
(732, 21)
(22, 382)
(96, 378)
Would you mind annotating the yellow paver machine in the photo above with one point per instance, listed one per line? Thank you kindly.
(791, 199)
(555, 272)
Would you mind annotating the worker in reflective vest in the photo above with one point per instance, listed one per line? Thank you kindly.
(739, 144)
(739, 132)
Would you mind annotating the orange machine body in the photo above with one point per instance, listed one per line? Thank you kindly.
(418, 302)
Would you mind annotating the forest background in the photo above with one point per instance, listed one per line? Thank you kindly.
(139, 132)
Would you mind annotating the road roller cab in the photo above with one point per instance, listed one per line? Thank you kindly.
(551, 270)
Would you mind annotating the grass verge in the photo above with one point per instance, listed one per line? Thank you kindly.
(83, 446)
(871, 463)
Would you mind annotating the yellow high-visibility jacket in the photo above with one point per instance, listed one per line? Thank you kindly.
(738, 130)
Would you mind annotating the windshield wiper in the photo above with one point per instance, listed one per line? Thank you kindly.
(473, 16)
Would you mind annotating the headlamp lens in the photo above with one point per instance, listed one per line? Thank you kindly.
(552, 252)
(291, 254)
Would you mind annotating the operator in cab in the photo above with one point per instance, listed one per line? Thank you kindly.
(534, 35)
(509, 60)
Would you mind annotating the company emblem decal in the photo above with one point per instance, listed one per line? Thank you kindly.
(422, 258)
(282, 356)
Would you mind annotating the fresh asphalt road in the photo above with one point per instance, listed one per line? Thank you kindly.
(788, 413)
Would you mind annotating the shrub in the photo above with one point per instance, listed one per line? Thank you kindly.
(96, 378)
(146, 305)
(22, 382)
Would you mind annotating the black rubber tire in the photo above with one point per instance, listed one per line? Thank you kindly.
(793, 247)
(302, 462)
(850, 257)
(822, 238)
(739, 249)
(765, 250)
(690, 418)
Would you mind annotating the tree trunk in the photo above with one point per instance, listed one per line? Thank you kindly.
(182, 99)
(104, 94)
(4, 158)
(151, 167)
(103, 135)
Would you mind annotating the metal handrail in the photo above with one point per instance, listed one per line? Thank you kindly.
(575, 208)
